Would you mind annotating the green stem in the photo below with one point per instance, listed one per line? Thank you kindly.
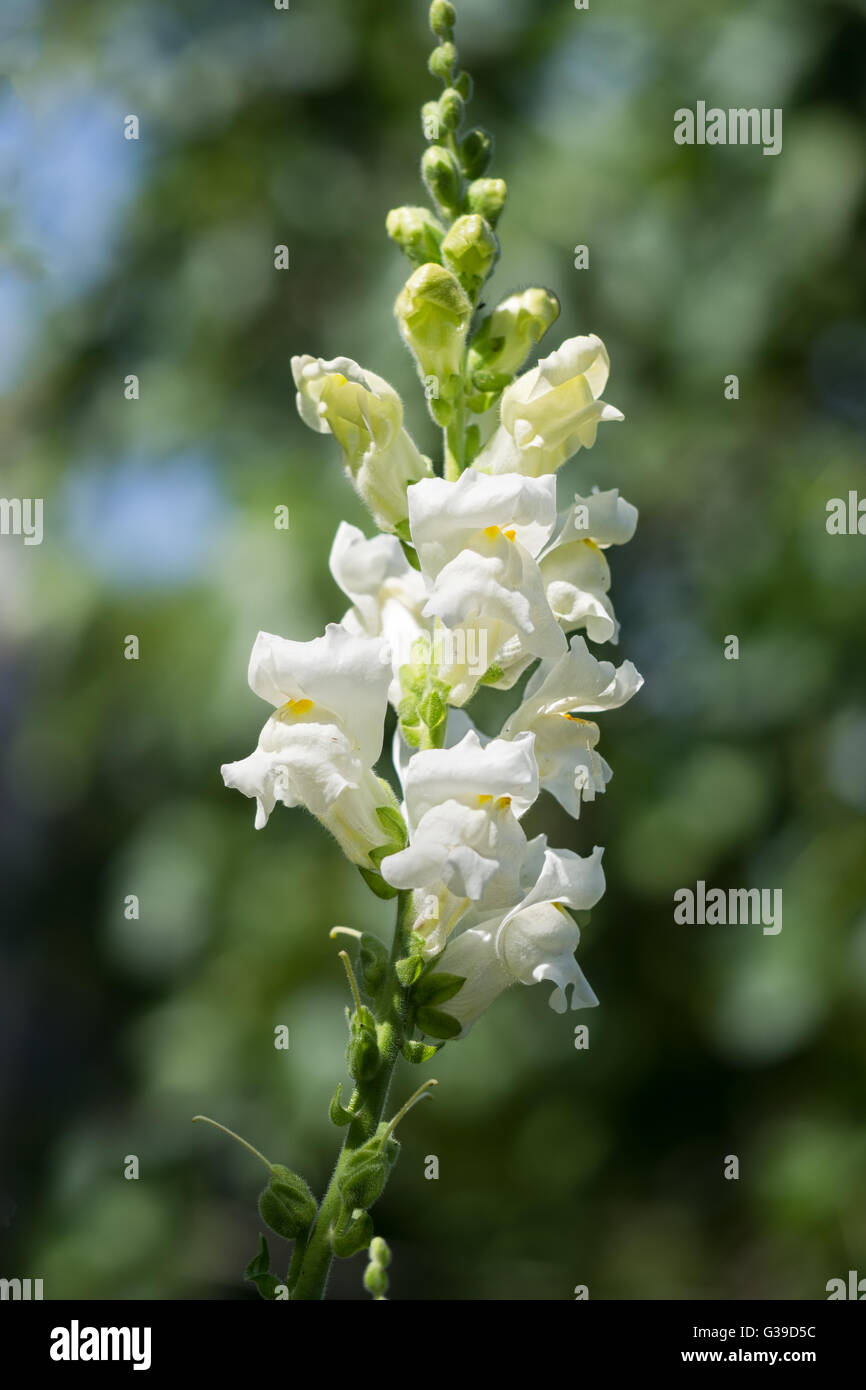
(315, 1263)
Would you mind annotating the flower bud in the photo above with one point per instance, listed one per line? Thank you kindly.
(433, 314)
(375, 1280)
(442, 18)
(442, 178)
(380, 1252)
(287, 1205)
(363, 1175)
(506, 336)
(417, 232)
(476, 150)
(442, 60)
(431, 120)
(362, 1052)
(487, 197)
(470, 249)
(451, 108)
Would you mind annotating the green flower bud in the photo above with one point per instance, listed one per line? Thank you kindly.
(476, 151)
(470, 249)
(442, 60)
(287, 1205)
(487, 197)
(362, 1052)
(431, 120)
(442, 178)
(451, 108)
(375, 1280)
(417, 232)
(443, 17)
(433, 314)
(506, 336)
(356, 1236)
(362, 1175)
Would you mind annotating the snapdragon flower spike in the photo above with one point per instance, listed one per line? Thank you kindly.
(387, 594)
(365, 415)
(476, 540)
(568, 766)
(575, 571)
(466, 848)
(318, 748)
(551, 411)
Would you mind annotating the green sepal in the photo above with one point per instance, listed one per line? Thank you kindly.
(393, 824)
(476, 151)
(347, 1241)
(408, 969)
(362, 1176)
(415, 1051)
(436, 988)
(362, 1053)
(258, 1272)
(437, 1024)
(337, 1112)
(382, 851)
(287, 1205)
(376, 883)
(472, 443)
(434, 710)
(410, 552)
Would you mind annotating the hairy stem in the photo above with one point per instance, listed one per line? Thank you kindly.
(311, 1277)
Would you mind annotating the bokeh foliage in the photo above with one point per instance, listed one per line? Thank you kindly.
(155, 257)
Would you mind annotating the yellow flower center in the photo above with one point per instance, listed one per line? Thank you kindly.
(491, 532)
(502, 802)
(295, 707)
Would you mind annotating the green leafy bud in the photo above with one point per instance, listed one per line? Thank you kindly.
(362, 1175)
(375, 1280)
(348, 1240)
(362, 1053)
(433, 314)
(476, 151)
(442, 179)
(417, 232)
(380, 1252)
(451, 108)
(487, 197)
(470, 249)
(442, 61)
(287, 1205)
(442, 18)
(408, 969)
(437, 1024)
(506, 336)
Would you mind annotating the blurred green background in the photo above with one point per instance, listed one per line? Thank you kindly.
(155, 257)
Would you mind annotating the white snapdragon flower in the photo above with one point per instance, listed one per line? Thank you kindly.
(532, 943)
(365, 414)
(568, 765)
(551, 411)
(466, 851)
(318, 748)
(575, 571)
(477, 540)
(387, 594)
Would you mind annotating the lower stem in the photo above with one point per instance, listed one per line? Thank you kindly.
(311, 1277)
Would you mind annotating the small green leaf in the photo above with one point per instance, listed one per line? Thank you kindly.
(437, 1024)
(260, 1263)
(338, 1113)
(437, 987)
(376, 883)
(393, 824)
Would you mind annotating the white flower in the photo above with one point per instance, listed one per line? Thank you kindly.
(477, 539)
(568, 765)
(466, 847)
(576, 573)
(536, 941)
(386, 592)
(551, 411)
(318, 749)
(366, 416)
